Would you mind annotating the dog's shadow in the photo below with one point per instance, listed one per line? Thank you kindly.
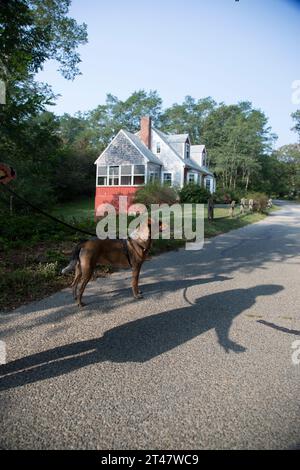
(142, 339)
(150, 289)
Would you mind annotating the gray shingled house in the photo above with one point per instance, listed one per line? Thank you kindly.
(131, 160)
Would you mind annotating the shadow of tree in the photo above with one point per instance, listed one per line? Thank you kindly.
(142, 339)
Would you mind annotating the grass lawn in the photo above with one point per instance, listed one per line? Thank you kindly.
(81, 209)
(35, 249)
(224, 223)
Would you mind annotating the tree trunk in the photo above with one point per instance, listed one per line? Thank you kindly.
(247, 182)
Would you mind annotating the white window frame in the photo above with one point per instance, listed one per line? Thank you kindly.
(195, 181)
(139, 174)
(187, 150)
(119, 176)
(103, 176)
(151, 173)
(113, 176)
(131, 178)
(158, 147)
(167, 173)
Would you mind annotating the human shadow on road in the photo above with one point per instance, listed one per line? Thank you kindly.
(98, 303)
(142, 339)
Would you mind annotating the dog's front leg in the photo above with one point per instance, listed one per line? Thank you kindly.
(135, 282)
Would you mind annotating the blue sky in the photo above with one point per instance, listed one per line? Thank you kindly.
(229, 50)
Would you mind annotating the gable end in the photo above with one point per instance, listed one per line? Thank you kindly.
(121, 151)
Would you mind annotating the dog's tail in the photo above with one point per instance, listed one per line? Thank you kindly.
(74, 258)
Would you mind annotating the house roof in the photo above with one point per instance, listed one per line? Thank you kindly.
(188, 163)
(194, 166)
(137, 143)
(177, 138)
(142, 148)
(164, 137)
(169, 140)
(197, 148)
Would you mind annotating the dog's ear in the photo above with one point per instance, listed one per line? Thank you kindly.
(151, 221)
(162, 226)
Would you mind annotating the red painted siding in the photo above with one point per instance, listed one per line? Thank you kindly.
(110, 195)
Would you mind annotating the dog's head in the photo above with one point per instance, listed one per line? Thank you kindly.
(152, 226)
(147, 229)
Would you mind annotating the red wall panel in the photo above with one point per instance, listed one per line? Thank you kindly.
(110, 195)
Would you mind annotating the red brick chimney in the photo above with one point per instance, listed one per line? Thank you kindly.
(146, 131)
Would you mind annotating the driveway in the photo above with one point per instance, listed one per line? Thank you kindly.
(203, 361)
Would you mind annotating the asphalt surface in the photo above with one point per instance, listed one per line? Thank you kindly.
(203, 361)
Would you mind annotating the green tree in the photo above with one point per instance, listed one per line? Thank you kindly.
(187, 117)
(289, 157)
(31, 32)
(296, 119)
(105, 121)
(236, 136)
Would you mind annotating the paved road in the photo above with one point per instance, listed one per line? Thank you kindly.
(203, 361)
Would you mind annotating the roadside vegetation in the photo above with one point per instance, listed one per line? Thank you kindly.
(54, 155)
(33, 249)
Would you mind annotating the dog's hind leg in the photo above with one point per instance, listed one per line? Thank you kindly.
(135, 282)
(86, 276)
(76, 275)
(76, 280)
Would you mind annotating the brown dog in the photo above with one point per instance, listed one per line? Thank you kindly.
(117, 253)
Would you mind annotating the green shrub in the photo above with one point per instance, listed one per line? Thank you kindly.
(225, 196)
(260, 201)
(25, 230)
(194, 194)
(155, 193)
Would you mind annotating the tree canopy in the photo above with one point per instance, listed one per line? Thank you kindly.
(54, 155)
(296, 119)
(32, 32)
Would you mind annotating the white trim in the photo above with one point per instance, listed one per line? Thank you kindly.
(170, 173)
(145, 158)
(132, 175)
(182, 177)
(153, 173)
(196, 177)
(120, 175)
(187, 158)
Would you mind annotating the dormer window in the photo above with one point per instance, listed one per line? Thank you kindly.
(187, 150)
(158, 147)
